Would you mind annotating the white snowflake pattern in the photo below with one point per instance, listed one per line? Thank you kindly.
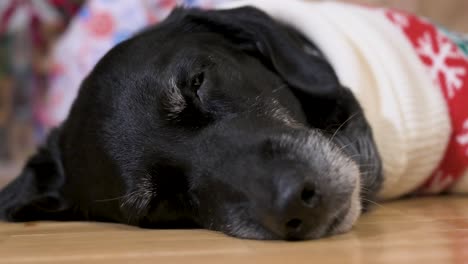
(399, 19)
(439, 182)
(453, 74)
(462, 139)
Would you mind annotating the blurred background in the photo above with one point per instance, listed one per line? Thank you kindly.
(47, 47)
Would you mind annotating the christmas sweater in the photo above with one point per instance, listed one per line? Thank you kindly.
(410, 77)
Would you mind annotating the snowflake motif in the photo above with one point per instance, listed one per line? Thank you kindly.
(439, 182)
(462, 139)
(399, 19)
(453, 74)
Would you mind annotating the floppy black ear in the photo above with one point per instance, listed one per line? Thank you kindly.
(254, 30)
(35, 193)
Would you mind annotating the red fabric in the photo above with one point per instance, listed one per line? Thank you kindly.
(448, 67)
(7, 14)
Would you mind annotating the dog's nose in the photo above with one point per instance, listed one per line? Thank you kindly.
(297, 207)
(297, 211)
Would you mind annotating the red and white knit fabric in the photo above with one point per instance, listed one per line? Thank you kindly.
(411, 80)
(448, 67)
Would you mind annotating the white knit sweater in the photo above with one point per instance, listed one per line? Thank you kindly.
(372, 57)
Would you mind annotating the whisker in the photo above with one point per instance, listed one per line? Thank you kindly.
(111, 199)
(355, 156)
(400, 212)
(283, 86)
(347, 145)
(118, 197)
(338, 129)
(373, 202)
(372, 166)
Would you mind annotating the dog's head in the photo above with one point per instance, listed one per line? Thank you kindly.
(221, 119)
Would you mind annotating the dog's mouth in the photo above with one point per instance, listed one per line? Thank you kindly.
(333, 228)
(336, 222)
(346, 218)
(253, 230)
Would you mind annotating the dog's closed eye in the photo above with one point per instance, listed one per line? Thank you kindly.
(184, 93)
(197, 81)
(174, 102)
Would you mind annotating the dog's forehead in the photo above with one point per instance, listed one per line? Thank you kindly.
(199, 44)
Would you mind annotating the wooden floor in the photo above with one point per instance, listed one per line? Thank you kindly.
(430, 230)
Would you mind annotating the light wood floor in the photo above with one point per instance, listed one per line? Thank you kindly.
(429, 230)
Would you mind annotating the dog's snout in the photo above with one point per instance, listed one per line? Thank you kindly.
(309, 191)
(308, 195)
(297, 210)
(290, 184)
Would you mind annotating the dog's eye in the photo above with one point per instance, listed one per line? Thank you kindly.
(197, 80)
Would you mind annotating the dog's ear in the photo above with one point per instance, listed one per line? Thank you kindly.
(35, 193)
(255, 31)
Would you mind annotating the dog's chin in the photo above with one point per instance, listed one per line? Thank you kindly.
(337, 226)
(251, 231)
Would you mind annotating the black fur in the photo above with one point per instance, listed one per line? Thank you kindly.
(131, 151)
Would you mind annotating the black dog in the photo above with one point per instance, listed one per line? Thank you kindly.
(213, 119)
